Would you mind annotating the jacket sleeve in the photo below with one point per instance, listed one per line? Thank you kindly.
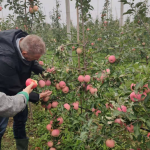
(34, 97)
(11, 105)
(36, 68)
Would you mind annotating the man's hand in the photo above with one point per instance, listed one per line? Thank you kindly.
(29, 89)
(45, 94)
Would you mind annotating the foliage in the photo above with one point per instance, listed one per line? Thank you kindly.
(89, 126)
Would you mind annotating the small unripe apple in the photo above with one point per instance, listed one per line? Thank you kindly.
(143, 43)
(28, 82)
(110, 143)
(79, 50)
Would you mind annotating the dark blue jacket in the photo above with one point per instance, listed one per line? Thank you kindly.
(14, 71)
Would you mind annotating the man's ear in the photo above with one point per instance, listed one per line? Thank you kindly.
(24, 52)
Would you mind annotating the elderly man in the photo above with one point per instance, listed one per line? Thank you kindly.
(19, 53)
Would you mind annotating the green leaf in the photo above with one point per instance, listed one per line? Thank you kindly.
(130, 11)
(138, 4)
(136, 129)
(148, 123)
(132, 117)
(116, 113)
(148, 144)
(83, 135)
(147, 98)
(138, 85)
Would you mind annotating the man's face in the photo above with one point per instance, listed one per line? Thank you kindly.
(30, 57)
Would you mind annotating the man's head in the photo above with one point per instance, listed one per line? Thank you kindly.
(32, 47)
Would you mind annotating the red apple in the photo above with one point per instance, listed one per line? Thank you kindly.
(41, 83)
(79, 50)
(132, 86)
(55, 132)
(62, 84)
(130, 128)
(28, 82)
(65, 89)
(112, 59)
(81, 78)
(1, 8)
(50, 144)
(146, 90)
(35, 8)
(41, 63)
(31, 10)
(48, 83)
(87, 78)
(110, 143)
(45, 99)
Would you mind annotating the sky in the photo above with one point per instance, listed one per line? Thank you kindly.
(48, 5)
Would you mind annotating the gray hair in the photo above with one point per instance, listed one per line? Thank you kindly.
(33, 44)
